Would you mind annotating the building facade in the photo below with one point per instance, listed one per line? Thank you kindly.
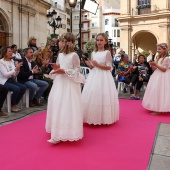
(103, 21)
(144, 23)
(21, 19)
(63, 10)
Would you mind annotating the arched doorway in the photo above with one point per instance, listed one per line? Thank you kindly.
(144, 41)
(2, 33)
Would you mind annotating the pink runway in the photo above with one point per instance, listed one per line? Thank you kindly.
(125, 145)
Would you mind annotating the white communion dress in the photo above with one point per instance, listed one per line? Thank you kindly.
(64, 111)
(99, 96)
(157, 93)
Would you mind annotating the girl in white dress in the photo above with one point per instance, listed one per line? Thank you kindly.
(64, 112)
(99, 96)
(157, 94)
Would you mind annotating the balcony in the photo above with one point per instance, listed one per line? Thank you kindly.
(85, 39)
(85, 19)
(85, 29)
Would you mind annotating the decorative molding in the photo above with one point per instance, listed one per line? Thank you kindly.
(111, 13)
(27, 9)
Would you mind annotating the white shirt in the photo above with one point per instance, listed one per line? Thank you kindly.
(29, 65)
(7, 70)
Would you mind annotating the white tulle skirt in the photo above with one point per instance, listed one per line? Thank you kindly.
(157, 94)
(64, 111)
(100, 98)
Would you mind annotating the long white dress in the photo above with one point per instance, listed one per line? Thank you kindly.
(64, 111)
(157, 93)
(99, 96)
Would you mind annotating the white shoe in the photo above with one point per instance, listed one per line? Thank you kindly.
(53, 141)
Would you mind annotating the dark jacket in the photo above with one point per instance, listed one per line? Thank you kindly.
(25, 71)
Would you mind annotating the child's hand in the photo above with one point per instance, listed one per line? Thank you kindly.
(153, 64)
(58, 71)
(95, 63)
(55, 66)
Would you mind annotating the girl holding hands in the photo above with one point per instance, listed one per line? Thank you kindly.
(99, 96)
(64, 115)
(156, 97)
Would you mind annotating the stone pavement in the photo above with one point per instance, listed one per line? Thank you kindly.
(160, 155)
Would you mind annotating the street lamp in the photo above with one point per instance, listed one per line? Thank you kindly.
(89, 5)
(72, 4)
(53, 20)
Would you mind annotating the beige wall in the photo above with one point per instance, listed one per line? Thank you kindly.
(29, 22)
(144, 31)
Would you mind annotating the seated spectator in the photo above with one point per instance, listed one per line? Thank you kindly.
(32, 43)
(16, 56)
(3, 95)
(8, 73)
(127, 73)
(144, 71)
(27, 77)
(47, 51)
(117, 58)
(44, 69)
(21, 52)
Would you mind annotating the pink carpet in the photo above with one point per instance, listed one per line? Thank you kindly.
(125, 145)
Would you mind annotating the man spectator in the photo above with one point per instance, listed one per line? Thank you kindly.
(3, 95)
(26, 76)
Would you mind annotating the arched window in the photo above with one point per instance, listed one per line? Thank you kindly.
(106, 21)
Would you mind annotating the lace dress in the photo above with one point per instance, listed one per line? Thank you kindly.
(99, 96)
(64, 112)
(157, 94)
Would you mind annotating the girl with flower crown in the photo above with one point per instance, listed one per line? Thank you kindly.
(64, 115)
(156, 97)
(99, 96)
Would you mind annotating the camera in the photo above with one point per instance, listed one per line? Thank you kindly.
(55, 49)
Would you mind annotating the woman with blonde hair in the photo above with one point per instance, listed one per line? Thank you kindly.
(32, 43)
(44, 70)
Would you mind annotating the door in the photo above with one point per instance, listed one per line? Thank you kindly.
(2, 39)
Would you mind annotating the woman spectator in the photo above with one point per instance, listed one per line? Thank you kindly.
(127, 73)
(8, 73)
(144, 71)
(44, 70)
(32, 43)
(47, 51)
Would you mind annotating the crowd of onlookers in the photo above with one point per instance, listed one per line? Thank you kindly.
(26, 69)
(29, 68)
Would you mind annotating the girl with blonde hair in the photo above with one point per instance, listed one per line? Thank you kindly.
(64, 114)
(156, 97)
(99, 96)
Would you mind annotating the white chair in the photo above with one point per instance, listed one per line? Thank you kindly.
(120, 85)
(8, 99)
(85, 71)
(26, 98)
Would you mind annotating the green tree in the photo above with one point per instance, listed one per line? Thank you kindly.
(90, 44)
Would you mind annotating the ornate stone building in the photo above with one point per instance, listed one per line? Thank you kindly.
(20, 19)
(144, 23)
